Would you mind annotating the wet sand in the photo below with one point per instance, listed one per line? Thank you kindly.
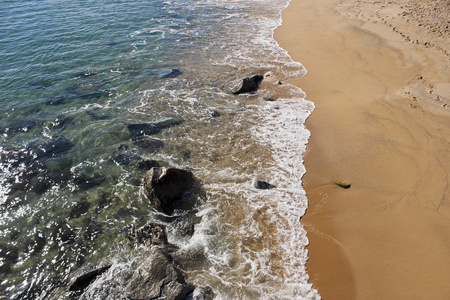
(379, 76)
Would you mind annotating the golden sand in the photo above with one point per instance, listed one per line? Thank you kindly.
(379, 76)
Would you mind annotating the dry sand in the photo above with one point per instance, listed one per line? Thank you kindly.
(378, 73)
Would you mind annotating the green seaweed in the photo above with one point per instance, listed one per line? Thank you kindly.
(343, 185)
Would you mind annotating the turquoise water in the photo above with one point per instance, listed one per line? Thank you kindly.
(73, 74)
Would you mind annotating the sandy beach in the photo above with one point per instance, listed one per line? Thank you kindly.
(379, 76)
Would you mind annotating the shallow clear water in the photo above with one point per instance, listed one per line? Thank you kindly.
(74, 74)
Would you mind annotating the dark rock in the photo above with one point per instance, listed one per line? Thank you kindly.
(158, 277)
(93, 231)
(62, 234)
(40, 84)
(269, 99)
(124, 154)
(186, 154)
(138, 130)
(149, 234)
(201, 293)
(144, 164)
(14, 234)
(34, 246)
(215, 114)
(105, 199)
(149, 143)
(20, 125)
(94, 95)
(26, 171)
(61, 177)
(246, 85)
(98, 116)
(78, 209)
(61, 122)
(57, 146)
(189, 230)
(85, 182)
(166, 186)
(8, 256)
(84, 280)
(88, 90)
(86, 73)
(40, 184)
(263, 185)
(172, 74)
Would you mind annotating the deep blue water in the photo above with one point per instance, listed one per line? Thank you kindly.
(73, 74)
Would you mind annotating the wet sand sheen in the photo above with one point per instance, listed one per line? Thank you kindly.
(382, 125)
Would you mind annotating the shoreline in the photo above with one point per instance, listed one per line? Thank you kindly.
(379, 77)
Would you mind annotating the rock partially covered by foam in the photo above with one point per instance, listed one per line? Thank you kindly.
(262, 185)
(166, 186)
(201, 293)
(246, 85)
(158, 277)
(149, 234)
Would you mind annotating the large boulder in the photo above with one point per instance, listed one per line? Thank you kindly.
(246, 85)
(166, 186)
(158, 277)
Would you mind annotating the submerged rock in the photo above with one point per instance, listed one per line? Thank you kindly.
(158, 277)
(61, 122)
(137, 130)
(55, 100)
(149, 143)
(172, 74)
(40, 83)
(166, 186)
(144, 164)
(62, 233)
(124, 154)
(246, 85)
(8, 256)
(36, 244)
(20, 125)
(88, 90)
(85, 182)
(86, 73)
(93, 230)
(57, 146)
(79, 208)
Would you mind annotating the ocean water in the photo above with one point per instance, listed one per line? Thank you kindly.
(74, 74)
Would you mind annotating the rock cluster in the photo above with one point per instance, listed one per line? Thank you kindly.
(156, 277)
